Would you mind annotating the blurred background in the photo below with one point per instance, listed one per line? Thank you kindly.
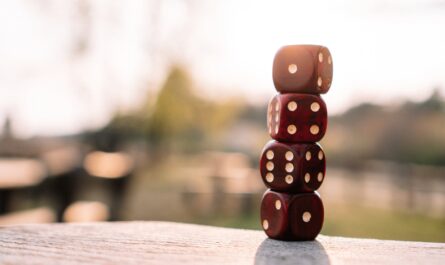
(156, 110)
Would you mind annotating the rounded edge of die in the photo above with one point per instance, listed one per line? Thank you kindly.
(323, 127)
(314, 183)
(325, 70)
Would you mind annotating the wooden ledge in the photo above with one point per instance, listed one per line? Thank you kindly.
(176, 243)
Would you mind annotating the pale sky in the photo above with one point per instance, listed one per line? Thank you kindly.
(383, 51)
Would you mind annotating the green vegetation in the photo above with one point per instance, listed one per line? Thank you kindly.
(357, 221)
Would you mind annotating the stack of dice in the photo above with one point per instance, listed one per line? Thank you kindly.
(293, 164)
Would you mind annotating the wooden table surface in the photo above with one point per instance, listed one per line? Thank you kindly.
(176, 243)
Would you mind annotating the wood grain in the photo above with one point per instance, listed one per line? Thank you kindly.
(174, 243)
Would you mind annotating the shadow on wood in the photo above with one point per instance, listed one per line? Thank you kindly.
(280, 252)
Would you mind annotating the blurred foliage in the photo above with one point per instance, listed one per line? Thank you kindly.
(179, 120)
(409, 133)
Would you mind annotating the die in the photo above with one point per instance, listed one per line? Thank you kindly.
(302, 69)
(292, 216)
(297, 118)
(293, 168)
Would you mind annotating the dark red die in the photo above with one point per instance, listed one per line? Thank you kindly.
(292, 216)
(302, 69)
(297, 118)
(293, 168)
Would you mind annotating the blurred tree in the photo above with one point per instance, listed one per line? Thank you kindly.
(6, 132)
(411, 133)
(178, 120)
(434, 103)
(176, 111)
(415, 133)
